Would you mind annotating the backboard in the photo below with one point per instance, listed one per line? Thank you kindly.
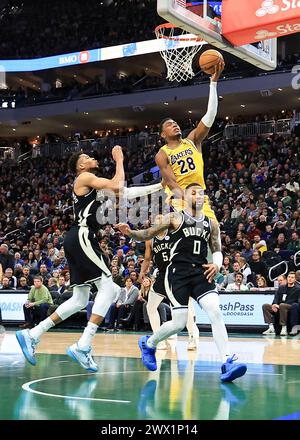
(202, 18)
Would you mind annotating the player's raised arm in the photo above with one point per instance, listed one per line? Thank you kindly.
(215, 246)
(89, 180)
(168, 175)
(201, 131)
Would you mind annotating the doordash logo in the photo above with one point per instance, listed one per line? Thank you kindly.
(269, 7)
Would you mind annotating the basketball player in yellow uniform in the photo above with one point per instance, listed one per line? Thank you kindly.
(180, 160)
(181, 163)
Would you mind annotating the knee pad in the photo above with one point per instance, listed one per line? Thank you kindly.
(77, 302)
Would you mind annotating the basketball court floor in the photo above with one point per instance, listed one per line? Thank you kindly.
(186, 385)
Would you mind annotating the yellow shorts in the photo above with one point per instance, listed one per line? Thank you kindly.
(179, 206)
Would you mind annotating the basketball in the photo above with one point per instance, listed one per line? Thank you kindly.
(209, 59)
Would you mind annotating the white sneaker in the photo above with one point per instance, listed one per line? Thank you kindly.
(83, 357)
(269, 331)
(161, 346)
(294, 330)
(283, 331)
(192, 345)
(27, 344)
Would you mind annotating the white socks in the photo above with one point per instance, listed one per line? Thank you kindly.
(86, 339)
(41, 328)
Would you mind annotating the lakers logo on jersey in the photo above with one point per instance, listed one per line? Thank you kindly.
(187, 163)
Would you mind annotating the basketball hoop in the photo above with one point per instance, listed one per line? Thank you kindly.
(179, 51)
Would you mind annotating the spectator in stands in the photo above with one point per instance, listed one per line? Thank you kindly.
(261, 283)
(26, 274)
(123, 304)
(257, 266)
(5, 284)
(9, 273)
(138, 310)
(44, 273)
(259, 244)
(286, 299)
(52, 287)
(247, 250)
(36, 307)
(18, 259)
(244, 269)
(6, 259)
(135, 279)
(238, 283)
(22, 284)
(294, 244)
(252, 230)
(230, 277)
(298, 278)
(118, 279)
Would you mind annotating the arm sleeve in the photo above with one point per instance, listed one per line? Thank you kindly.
(140, 191)
(209, 117)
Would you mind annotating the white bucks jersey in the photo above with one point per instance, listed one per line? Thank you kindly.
(191, 240)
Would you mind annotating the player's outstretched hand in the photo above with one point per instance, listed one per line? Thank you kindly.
(124, 228)
(211, 271)
(218, 70)
(117, 153)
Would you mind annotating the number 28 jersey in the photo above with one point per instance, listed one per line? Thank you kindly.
(187, 164)
(190, 241)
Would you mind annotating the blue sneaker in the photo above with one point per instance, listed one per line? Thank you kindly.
(27, 344)
(83, 357)
(231, 371)
(148, 354)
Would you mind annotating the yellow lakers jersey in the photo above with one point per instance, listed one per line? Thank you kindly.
(187, 164)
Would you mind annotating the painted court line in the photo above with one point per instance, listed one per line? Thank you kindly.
(27, 386)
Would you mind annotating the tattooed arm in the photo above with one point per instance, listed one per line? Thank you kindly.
(215, 246)
(171, 221)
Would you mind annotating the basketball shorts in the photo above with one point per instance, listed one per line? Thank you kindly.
(184, 281)
(85, 259)
(159, 285)
(178, 205)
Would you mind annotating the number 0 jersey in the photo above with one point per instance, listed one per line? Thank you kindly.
(190, 241)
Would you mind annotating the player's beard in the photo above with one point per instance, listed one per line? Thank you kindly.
(94, 170)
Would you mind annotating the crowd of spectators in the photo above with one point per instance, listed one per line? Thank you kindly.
(63, 26)
(253, 186)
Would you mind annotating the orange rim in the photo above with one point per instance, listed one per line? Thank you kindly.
(175, 38)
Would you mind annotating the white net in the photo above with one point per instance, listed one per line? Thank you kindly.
(179, 50)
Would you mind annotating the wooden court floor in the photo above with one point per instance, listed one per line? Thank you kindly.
(186, 385)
